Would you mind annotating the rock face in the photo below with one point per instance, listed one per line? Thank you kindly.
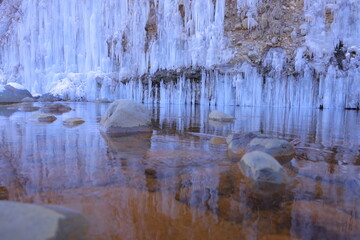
(261, 168)
(28, 221)
(126, 116)
(281, 150)
(13, 92)
(220, 116)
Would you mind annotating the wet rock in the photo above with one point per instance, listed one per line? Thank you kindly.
(124, 117)
(220, 116)
(25, 107)
(29, 221)
(73, 122)
(13, 92)
(281, 150)
(264, 171)
(314, 220)
(42, 117)
(237, 143)
(217, 140)
(102, 100)
(56, 108)
(28, 99)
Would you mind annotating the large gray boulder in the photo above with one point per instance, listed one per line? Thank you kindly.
(13, 92)
(281, 150)
(22, 221)
(126, 116)
(263, 171)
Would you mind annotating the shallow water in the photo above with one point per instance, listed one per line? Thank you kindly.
(170, 184)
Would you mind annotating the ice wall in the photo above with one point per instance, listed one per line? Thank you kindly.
(84, 50)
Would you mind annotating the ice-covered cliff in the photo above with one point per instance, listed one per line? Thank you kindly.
(243, 52)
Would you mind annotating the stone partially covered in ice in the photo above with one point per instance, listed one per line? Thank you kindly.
(13, 92)
(220, 116)
(263, 170)
(126, 116)
(281, 150)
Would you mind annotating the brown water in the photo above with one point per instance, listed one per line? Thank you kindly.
(173, 185)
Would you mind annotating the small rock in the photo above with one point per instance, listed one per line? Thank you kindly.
(217, 140)
(28, 99)
(41, 117)
(253, 55)
(29, 221)
(265, 172)
(73, 122)
(126, 116)
(56, 108)
(102, 100)
(220, 116)
(281, 150)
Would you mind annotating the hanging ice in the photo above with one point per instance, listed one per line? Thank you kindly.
(110, 49)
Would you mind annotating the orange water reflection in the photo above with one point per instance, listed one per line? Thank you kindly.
(173, 185)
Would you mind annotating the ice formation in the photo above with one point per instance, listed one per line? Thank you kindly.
(84, 50)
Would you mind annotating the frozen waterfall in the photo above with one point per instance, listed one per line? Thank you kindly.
(87, 50)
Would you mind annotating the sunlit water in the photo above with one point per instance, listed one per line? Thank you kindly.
(173, 185)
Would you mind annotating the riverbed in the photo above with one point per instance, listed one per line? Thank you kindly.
(174, 183)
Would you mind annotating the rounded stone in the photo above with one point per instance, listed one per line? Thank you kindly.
(220, 116)
(56, 108)
(281, 150)
(29, 221)
(264, 170)
(237, 143)
(13, 92)
(126, 116)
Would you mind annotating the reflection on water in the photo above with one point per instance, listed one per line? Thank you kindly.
(171, 184)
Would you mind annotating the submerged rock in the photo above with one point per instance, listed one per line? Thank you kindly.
(73, 122)
(220, 116)
(13, 92)
(126, 116)
(322, 221)
(56, 108)
(29, 221)
(263, 170)
(238, 142)
(281, 150)
(42, 117)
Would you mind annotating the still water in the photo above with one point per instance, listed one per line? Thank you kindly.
(170, 184)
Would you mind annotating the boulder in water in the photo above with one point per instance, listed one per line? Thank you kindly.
(13, 93)
(281, 150)
(263, 170)
(220, 116)
(126, 116)
(29, 221)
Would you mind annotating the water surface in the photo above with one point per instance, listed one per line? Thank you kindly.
(170, 184)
